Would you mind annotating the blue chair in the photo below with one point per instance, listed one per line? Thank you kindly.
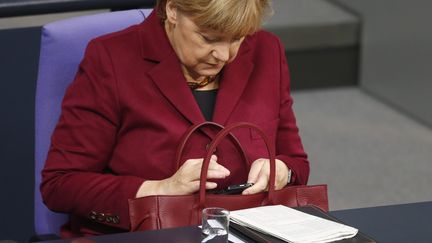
(62, 48)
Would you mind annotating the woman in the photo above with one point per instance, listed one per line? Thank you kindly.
(138, 90)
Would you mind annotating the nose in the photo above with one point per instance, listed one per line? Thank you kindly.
(222, 52)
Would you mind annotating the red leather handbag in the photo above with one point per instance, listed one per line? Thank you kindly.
(158, 212)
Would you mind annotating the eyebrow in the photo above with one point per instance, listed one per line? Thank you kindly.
(217, 37)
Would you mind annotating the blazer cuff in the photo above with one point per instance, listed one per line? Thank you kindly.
(117, 214)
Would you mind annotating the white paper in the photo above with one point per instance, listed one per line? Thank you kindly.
(292, 225)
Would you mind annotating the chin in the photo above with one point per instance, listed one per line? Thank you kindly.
(210, 72)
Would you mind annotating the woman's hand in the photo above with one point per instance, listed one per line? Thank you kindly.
(186, 180)
(259, 174)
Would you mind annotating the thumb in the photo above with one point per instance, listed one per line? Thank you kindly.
(259, 186)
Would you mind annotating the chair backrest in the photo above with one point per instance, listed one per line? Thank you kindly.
(62, 48)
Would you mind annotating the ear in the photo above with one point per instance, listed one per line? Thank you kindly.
(171, 12)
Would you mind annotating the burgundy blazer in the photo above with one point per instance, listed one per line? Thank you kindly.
(128, 107)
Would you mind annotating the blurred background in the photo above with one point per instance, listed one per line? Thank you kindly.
(361, 82)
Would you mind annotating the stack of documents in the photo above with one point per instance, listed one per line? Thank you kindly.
(291, 225)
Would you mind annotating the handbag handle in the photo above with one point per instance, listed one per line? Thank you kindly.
(193, 129)
(216, 141)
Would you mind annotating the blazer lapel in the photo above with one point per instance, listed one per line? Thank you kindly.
(233, 83)
(167, 74)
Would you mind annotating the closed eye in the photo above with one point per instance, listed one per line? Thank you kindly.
(208, 39)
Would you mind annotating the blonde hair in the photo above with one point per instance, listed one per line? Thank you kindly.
(234, 17)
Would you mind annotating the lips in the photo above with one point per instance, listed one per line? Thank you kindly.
(215, 64)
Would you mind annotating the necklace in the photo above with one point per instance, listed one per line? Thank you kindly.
(196, 85)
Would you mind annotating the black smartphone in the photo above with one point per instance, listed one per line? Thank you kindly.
(233, 189)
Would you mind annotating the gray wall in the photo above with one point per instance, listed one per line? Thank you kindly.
(396, 55)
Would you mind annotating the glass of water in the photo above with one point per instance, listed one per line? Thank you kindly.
(215, 224)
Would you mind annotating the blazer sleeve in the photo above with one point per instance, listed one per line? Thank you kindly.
(73, 179)
(289, 147)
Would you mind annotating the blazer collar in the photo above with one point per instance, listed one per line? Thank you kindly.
(232, 85)
(155, 45)
(168, 76)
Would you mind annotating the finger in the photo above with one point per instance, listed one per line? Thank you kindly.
(211, 185)
(217, 174)
(259, 186)
(254, 171)
(195, 185)
(218, 167)
(192, 171)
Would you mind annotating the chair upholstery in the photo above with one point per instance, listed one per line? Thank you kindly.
(62, 48)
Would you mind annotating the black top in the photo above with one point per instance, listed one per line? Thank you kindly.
(206, 100)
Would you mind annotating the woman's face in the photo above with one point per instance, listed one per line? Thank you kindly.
(202, 52)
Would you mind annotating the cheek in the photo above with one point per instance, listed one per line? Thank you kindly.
(191, 52)
(196, 56)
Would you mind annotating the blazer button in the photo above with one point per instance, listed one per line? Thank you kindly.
(115, 219)
(109, 219)
(100, 217)
(93, 215)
